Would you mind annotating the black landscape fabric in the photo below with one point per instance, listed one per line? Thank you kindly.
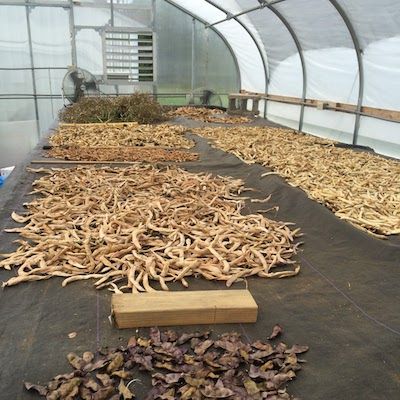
(344, 304)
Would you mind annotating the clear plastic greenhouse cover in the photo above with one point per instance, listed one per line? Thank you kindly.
(343, 51)
(329, 56)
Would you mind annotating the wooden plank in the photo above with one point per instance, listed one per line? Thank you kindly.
(391, 115)
(183, 308)
(71, 162)
(109, 124)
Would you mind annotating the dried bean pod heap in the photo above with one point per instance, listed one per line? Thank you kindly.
(127, 227)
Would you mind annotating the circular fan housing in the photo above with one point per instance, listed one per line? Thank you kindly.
(77, 83)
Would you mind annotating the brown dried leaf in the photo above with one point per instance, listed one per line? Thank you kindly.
(185, 337)
(251, 387)
(212, 391)
(42, 390)
(104, 393)
(87, 357)
(132, 341)
(262, 346)
(122, 374)
(187, 392)
(116, 363)
(66, 391)
(276, 331)
(76, 361)
(155, 336)
(202, 347)
(98, 364)
(91, 384)
(124, 391)
(298, 349)
(85, 393)
(104, 379)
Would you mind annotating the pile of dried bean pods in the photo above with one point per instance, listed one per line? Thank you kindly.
(119, 153)
(126, 227)
(120, 134)
(358, 187)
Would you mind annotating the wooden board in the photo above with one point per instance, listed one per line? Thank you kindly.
(183, 308)
(61, 161)
(373, 112)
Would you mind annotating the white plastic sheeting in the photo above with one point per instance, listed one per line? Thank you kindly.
(248, 57)
(287, 32)
(330, 59)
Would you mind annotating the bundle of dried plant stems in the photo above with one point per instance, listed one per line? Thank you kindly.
(358, 187)
(126, 227)
(207, 115)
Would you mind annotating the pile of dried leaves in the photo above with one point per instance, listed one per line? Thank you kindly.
(187, 366)
(358, 187)
(138, 107)
(120, 134)
(207, 115)
(146, 154)
(126, 226)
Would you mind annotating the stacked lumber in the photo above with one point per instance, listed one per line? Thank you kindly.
(361, 188)
(128, 227)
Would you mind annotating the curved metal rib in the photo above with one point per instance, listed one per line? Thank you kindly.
(250, 33)
(301, 55)
(358, 50)
(184, 10)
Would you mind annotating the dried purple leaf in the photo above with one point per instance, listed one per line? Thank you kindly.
(66, 390)
(262, 346)
(85, 393)
(155, 336)
(185, 337)
(145, 362)
(42, 390)
(216, 392)
(100, 363)
(124, 391)
(281, 348)
(132, 342)
(251, 387)
(276, 331)
(187, 392)
(169, 336)
(104, 379)
(91, 384)
(76, 361)
(104, 393)
(297, 349)
(116, 363)
(122, 374)
(87, 357)
(202, 347)
(259, 355)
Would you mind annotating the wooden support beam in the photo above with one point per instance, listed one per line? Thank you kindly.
(372, 112)
(71, 162)
(183, 308)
